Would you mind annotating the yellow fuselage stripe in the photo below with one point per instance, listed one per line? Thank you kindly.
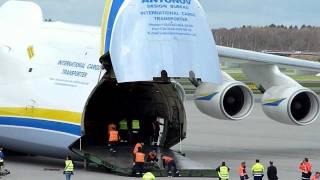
(50, 114)
(105, 20)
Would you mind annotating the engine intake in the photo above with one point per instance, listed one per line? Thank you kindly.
(291, 105)
(232, 100)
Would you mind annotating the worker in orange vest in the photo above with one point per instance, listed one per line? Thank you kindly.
(305, 168)
(112, 126)
(136, 147)
(316, 176)
(113, 139)
(170, 163)
(152, 156)
(139, 162)
(242, 172)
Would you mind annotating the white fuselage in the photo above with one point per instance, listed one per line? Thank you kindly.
(43, 94)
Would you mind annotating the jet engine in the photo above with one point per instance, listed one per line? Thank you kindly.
(232, 100)
(291, 105)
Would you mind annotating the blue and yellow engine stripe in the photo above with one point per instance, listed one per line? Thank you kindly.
(273, 102)
(206, 96)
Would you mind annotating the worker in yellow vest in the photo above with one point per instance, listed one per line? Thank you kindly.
(148, 176)
(135, 131)
(135, 124)
(123, 130)
(68, 169)
(223, 171)
(257, 170)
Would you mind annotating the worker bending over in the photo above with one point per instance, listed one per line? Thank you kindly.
(152, 156)
(169, 162)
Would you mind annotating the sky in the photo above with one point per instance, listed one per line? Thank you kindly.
(221, 13)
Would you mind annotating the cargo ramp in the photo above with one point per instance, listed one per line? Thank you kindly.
(121, 162)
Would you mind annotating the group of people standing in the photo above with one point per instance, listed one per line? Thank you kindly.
(258, 171)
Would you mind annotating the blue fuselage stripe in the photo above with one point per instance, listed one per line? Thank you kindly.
(41, 124)
(116, 4)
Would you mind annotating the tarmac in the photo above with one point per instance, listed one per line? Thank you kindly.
(209, 142)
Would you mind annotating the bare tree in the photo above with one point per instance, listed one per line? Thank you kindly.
(272, 37)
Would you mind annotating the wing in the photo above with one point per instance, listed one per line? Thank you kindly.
(245, 56)
(284, 100)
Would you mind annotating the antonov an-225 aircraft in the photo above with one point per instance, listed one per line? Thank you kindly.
(54, 89)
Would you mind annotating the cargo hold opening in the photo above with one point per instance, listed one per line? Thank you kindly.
(111, 102)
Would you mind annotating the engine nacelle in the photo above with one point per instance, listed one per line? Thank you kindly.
(291, 105)
(232, 100)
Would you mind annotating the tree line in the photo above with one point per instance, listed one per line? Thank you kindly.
(272, 37)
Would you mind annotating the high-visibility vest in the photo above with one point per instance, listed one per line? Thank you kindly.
(140, 157)
(167, 159)
(69, 166)
(305, 167)
(113, 136)
(123, 124)
(136, 147)
(148, 176)
(135, 124)
(257, 169)
(241, 171)
(223, 172)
